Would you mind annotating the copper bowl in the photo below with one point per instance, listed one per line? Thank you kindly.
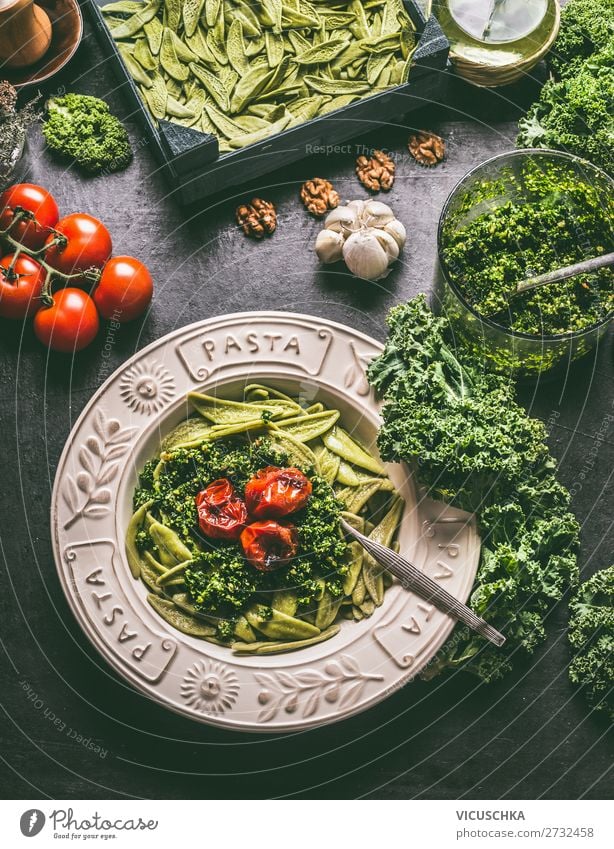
(66, 33)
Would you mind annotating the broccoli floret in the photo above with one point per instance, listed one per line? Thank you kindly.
(82, 128)
(591, 633)
(587, 26)
(575, 114)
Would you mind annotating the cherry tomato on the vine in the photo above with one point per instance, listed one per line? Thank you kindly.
(21, 283)
(70, 324)
(124, 289)
(274, 492)
(38, 201)
(88, 244)
(221, 513)
(268, 545)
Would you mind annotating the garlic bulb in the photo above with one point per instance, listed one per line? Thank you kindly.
(397, 231)
(365, 234)
(364, 255)
(329, 246)
(388, 243)
(376, 214)
(357, 206)
(342, 220)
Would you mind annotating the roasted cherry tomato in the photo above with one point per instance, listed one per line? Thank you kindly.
(70, 323)
(274, 492)
(29, 232)
(21, 287)
(88, 244)
(124, 289)
(268, 545)
(221, 513)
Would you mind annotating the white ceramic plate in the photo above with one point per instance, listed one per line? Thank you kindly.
(121, 428)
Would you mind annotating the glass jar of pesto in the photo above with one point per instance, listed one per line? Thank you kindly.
(514, 216)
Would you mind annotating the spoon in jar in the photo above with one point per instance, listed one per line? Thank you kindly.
(587, 266)
(424, 587)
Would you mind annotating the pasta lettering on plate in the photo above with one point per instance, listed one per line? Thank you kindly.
(253, 343)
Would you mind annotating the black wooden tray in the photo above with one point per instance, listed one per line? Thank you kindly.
(191, 160)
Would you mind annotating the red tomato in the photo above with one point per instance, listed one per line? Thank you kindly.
(221, 513)
(124, 289)
(31, 233)
(268, 545)
(274, 492)
(19, 296)
(88, 244)
(70, 324)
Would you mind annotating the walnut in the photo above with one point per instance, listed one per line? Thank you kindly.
(376, 173)
(319, 196)
(258, 218)
(426, 148)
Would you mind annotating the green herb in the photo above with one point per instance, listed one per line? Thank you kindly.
(82, 128)
(552, 219)
(591, 633)
(476, 448)
(587, 27)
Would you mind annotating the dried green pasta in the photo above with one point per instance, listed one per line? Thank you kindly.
(308, 57)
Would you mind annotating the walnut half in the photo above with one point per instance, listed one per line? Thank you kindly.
(376, 173)
(258, 218)
(319, 196)
(426, 148)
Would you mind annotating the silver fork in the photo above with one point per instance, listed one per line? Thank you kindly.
(412, 579)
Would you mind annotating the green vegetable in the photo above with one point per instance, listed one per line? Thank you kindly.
(575, 114)
(587, 27)
(536, 230)
(82, 128)
(476, 448)
(591, 633)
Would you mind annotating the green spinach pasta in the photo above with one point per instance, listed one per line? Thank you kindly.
(236, 533)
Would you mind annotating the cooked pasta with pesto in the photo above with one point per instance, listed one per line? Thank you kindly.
(236, 532)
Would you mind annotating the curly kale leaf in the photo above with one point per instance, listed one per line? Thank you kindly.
(587, 27)
(82, 128)
(448, 414)
(474, 446)
(575, 114)
(591, 633)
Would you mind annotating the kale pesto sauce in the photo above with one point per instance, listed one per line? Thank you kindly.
(543, 219)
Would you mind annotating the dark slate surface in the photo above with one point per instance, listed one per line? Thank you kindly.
(527, 737)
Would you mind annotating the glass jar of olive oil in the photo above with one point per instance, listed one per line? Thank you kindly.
(494, 42)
